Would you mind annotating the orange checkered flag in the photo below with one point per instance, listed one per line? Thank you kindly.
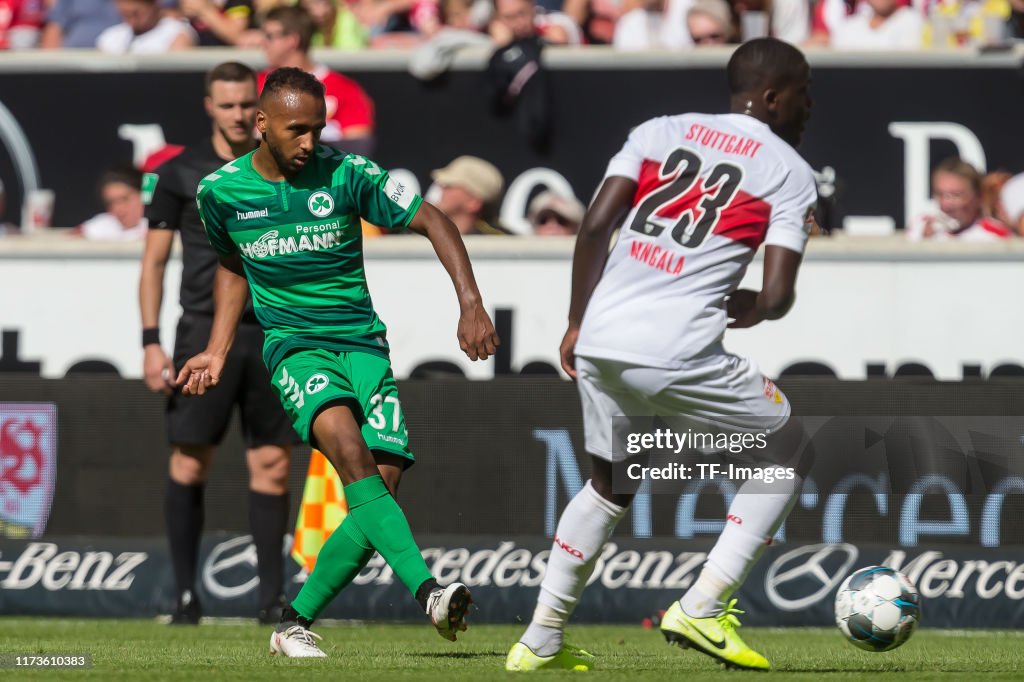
(323, 509)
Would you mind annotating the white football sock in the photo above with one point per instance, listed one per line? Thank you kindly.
(754, 516)
(586, 524)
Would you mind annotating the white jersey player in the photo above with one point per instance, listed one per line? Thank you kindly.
(694, 196)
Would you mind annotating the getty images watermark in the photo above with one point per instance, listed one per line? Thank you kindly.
(677, 443)
(898, 455)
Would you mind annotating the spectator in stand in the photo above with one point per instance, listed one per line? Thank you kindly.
(1011, 204)
(460, 25)
(457, 15)
(21, 22)
(253, 37)
(397, 23)
(520, 19)
(121, 193)
(598, 19)
(643, 28)
(336, 25)
(827, 14)
(710, 23)
(143, 30)
(886, 26)
(288, 33)
(468, 15)
(674, 25)
(554, 215)
(956, 188)
(468, 191)
(791, 20)
(218, 23)
(77, 23)
(652, 25)
(991, 186)
(788, 20)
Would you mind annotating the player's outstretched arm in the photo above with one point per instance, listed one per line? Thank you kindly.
(778, 290)
(606, 213)
(157, 368)
(230, 292)
(477, 337)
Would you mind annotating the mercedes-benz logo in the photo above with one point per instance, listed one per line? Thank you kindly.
(225, 556)
(810, 572)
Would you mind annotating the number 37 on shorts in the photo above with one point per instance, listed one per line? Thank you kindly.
(308, 380)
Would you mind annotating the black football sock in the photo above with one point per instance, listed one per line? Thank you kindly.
(268, 516)
(424, 591)
(183, 511)
(289, 616)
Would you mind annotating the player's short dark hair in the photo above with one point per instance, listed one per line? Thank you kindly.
(762, 63)
(297, 20)
(293, 79)
(954, 165)
(125, 175)
(231, 72)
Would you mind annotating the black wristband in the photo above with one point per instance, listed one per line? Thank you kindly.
(150, 335)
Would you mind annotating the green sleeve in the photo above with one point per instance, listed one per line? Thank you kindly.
(380, 199)
(211, 214)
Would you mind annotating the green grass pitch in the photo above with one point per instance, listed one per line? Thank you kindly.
(148, 650)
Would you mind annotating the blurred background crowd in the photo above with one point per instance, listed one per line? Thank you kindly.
(969, 205)
(147, 26)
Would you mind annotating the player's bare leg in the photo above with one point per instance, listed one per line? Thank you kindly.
(268, 520)
(183, 511)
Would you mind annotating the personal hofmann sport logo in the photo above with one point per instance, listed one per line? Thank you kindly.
(320, 204)
(270, 243)
(316, 383)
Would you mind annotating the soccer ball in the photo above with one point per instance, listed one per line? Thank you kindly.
(877, 608)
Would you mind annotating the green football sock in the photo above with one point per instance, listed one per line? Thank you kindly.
(340, 560)
(383, 523)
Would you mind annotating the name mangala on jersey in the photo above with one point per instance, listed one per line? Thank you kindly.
(710, 190)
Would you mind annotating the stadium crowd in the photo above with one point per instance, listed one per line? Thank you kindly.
(141, 26)
(967, 204)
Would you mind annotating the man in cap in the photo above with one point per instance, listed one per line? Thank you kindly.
(470, 191)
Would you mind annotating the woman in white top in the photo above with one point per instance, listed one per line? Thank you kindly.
(885, 26)
(144, 31)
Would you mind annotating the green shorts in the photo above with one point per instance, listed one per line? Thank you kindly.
(308, 380)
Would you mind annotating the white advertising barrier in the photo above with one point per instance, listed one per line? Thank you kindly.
(867, 301)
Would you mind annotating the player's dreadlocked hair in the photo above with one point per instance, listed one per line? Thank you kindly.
(763, 62)
(292, 79)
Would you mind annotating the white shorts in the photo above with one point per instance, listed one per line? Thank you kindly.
(726, 390)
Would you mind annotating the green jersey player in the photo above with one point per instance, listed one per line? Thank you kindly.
(285, 222)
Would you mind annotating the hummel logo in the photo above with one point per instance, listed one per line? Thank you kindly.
(249, 215)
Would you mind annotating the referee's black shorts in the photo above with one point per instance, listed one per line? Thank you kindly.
(203, 419)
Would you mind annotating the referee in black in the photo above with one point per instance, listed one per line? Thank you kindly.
(195, 425)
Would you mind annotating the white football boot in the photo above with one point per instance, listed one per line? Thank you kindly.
(296, 642)
(447, 608)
